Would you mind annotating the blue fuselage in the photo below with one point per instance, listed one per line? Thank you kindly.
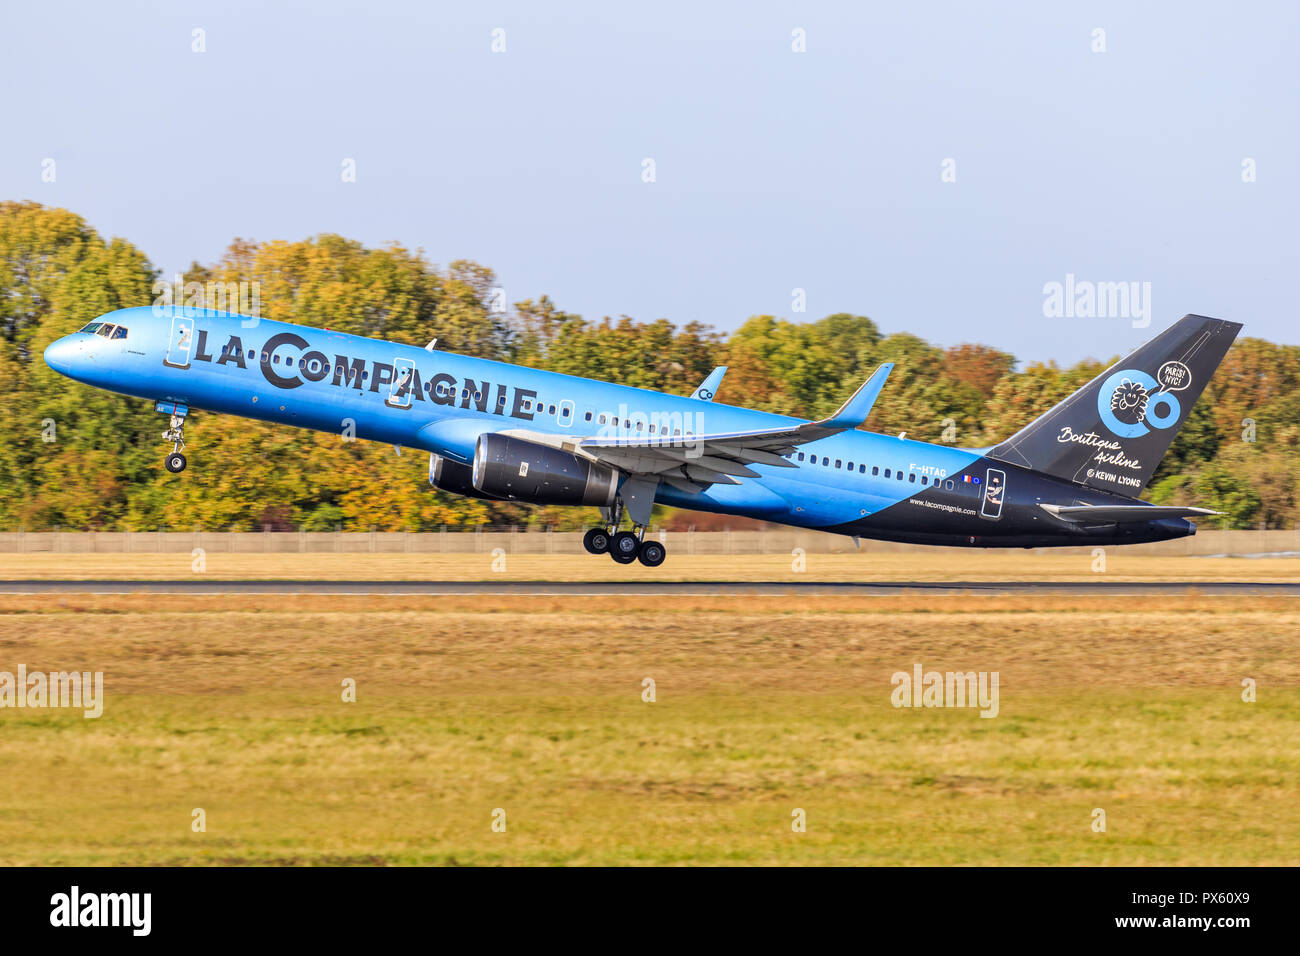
(855, 483)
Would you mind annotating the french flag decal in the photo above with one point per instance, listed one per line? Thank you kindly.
(966, 478)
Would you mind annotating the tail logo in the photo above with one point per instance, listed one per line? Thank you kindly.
(1130, 400)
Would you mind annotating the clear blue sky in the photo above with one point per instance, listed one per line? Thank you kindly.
(775, 170)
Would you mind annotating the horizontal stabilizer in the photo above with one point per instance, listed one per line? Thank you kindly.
(1108, 514)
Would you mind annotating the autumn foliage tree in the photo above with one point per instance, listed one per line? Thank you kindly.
(78, 457)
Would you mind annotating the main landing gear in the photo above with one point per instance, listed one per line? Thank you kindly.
(623, 546)
(175, 433)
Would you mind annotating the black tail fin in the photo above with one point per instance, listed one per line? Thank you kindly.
(1112, 433)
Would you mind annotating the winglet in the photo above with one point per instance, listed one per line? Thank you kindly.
(709, 387)
(855, 411)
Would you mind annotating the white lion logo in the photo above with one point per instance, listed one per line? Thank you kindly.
(1129, 401)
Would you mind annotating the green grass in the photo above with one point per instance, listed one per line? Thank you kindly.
(1187, 776)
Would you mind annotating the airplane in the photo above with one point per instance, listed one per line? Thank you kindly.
(504, 432)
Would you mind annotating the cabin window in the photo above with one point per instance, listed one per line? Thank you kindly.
(615, 421)
(652, 429)
(587, 417)
(862, 469)
(925, 480)
(640, 426)
(601, 419)
(551, 410)
(224, 349)
(850, 466)
(948, 485)
(875, 469)
(252, 353)
(886, 472)
(912, 478)
(678, 431)
(839, 462)
(899, 474)
(501, 399)
(801, 456)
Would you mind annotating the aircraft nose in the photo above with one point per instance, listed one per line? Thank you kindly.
(60, 353)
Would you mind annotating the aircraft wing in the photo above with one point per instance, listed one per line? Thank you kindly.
(1106, 514)
(692, 462)
(709, 387)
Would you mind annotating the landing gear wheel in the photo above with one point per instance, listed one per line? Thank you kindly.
(623, 547)
(175, 434)
(596, 541)
(652, 554)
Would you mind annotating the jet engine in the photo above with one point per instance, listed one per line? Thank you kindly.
(448, 475)
(520, 470)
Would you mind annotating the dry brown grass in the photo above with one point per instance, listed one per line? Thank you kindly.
(483, 644)
(939, 566)
(466, 704)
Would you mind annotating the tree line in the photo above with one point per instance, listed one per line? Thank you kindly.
(80, 458)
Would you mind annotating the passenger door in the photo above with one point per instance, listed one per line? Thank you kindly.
(995, 488)
(399, 395)
(180, 343)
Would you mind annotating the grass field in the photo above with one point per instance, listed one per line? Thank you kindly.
(941, 565)
(465, 705)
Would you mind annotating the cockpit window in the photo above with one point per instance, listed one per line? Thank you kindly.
(107, 329)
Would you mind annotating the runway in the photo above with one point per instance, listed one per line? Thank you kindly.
(641, 588)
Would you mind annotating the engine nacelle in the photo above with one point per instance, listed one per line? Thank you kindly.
(506, 467)
(448, 475)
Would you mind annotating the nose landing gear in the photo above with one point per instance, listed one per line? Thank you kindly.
(175, 433)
